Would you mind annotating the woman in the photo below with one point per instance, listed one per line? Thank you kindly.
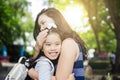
(71, 57)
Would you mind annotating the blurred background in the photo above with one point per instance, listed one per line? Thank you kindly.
(96, 21)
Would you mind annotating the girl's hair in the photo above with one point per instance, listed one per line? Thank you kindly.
(62, 26)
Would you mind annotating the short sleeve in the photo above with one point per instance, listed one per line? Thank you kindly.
(43, 67)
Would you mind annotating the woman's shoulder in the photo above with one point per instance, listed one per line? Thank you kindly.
(70, 45)
(69, 41)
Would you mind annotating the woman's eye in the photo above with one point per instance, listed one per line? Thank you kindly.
(42, 23)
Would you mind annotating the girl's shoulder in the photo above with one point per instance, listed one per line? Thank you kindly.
(43, 58)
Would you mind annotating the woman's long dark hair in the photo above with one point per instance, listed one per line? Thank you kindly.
(62, 26)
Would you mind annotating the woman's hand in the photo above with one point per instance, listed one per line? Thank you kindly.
(33, 74)
(71, 77)
(41, 37)
(39, 42)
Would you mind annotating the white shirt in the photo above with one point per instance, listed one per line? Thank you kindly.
(45, 68)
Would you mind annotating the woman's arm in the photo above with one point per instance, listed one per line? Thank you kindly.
(34, 75)
(67, 58)
(71, 77)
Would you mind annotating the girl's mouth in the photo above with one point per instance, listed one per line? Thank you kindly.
(53, 54)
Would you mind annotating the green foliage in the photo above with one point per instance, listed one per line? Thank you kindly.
(101, 23)
(61, 4)
(11, 20)
(88, 38)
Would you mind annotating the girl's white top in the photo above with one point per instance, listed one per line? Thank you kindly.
(45, 68)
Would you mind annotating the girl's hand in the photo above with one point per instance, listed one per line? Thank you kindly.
(71, 77)
(53, 78)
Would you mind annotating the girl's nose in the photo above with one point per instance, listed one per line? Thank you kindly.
(53, 47)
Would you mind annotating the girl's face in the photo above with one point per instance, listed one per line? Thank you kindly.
(52, 46)
(43, 21)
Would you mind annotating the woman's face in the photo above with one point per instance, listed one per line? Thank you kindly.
(52, 46)
(43, 21)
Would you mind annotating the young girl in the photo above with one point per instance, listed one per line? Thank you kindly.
(48, 55)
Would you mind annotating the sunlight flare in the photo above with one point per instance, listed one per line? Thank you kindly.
(75, 15)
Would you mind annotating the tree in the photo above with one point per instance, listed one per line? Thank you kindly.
(99, 20)
(114, 11)
(12, 15)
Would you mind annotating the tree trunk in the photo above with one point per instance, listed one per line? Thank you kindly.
(94, 26)
(114, 12)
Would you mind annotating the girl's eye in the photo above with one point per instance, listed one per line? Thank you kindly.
(57, 44)
(47, 44)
